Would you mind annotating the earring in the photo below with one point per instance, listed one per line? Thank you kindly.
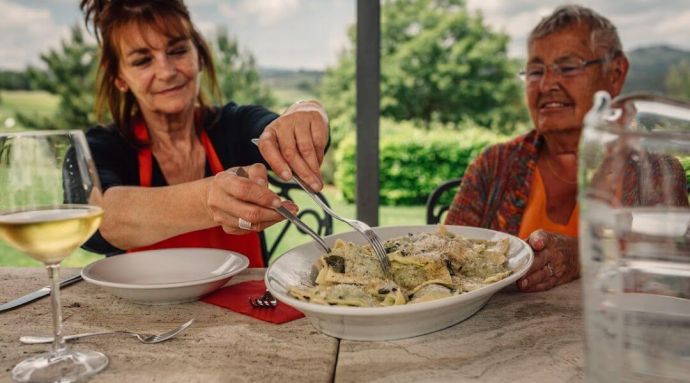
(121, 85)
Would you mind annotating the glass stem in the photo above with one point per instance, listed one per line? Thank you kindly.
(54, 275)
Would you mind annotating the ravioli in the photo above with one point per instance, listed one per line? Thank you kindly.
(425, 266)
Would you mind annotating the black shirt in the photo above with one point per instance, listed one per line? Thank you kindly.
(229, 129)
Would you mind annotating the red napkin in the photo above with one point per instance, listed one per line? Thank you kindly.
(236, 298)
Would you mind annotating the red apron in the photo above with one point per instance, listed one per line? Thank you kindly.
(215, 237)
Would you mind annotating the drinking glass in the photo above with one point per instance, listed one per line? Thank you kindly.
(635, 239)
(49, 205)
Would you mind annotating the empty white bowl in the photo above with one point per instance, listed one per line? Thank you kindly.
(165, 276)
(391, 322)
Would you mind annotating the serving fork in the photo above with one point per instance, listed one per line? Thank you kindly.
(359, 226)
(294, 219)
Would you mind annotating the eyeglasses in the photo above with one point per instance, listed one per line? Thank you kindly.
(567, 68)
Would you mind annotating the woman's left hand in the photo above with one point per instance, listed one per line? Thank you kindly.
(556, 261)
(297, 141)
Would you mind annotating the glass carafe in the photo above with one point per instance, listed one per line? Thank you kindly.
(635, 239)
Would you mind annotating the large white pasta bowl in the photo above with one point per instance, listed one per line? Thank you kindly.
(391, 322)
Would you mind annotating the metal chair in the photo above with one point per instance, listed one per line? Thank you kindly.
(439, 202)
(324, 221)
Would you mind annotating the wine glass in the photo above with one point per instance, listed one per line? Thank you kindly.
(49, 205)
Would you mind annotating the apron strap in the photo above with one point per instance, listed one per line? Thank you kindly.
(247, 244)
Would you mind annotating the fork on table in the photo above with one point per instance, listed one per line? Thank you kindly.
(267, 301)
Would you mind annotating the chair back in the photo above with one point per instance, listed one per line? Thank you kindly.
(440, 199)
(322, 221)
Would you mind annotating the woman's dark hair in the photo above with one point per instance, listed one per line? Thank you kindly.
(109, 19)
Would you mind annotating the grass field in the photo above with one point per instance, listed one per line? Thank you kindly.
(31, 102)
(26, 102)
(389, 216)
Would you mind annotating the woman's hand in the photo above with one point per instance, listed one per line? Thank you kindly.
(556, 261)
(297, 141)
(243, 203)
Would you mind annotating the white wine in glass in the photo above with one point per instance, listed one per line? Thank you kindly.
(49, 206)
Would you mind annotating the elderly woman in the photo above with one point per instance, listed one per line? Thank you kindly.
(169, 164)
(528, 186)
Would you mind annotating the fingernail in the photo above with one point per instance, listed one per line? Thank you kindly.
(286, 174)
(276, 203)
(315, 186)
(260, 181)
(265, 135)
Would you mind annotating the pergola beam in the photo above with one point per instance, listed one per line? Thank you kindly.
(368, 109)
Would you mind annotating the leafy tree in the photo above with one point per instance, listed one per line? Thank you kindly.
(70, 74)
(439, 63)
(678, 80)
(238, 74)
(14, 80)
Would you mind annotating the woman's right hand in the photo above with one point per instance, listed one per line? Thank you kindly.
(241, 204)
(556, 261)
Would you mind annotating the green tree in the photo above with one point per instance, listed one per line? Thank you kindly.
(237, 72)
(439, 63)
(678, 80)
(70, 73)
(14, 80)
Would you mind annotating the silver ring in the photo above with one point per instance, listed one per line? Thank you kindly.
(549, 268)
(243, 224)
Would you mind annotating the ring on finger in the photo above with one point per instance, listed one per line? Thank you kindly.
(549, 268)
(244, 224)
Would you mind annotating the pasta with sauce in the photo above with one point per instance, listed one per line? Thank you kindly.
(425, 266)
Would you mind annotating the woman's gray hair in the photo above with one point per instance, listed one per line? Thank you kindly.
(603, 34)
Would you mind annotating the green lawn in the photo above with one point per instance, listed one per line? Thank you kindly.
(389, 216)
(44, 103)
(26, 102)
(287, 97)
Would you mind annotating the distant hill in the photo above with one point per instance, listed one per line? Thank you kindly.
(290, 85)
(649, 66)
(306, 80)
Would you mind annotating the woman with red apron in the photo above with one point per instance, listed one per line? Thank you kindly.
(152, 58)
(214, 237)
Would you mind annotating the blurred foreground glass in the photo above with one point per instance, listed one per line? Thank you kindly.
(635, 239)
(49, 192)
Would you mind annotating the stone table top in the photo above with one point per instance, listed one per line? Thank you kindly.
(516, 337)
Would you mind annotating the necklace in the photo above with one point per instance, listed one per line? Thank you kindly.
(555, 173)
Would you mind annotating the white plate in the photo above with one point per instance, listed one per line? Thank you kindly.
(392, 322)
(165, 276)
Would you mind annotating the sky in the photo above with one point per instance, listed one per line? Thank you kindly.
(309, 34)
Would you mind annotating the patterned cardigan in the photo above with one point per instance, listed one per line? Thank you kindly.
(496, 185)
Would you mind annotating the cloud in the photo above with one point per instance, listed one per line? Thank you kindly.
(269, 11)
(639, 22)
(25, 33)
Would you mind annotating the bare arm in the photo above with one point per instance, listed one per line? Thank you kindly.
(139, 216)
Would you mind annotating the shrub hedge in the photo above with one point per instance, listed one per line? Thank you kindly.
(413, 161)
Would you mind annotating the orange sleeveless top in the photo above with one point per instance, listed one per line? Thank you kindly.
(535, 216)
